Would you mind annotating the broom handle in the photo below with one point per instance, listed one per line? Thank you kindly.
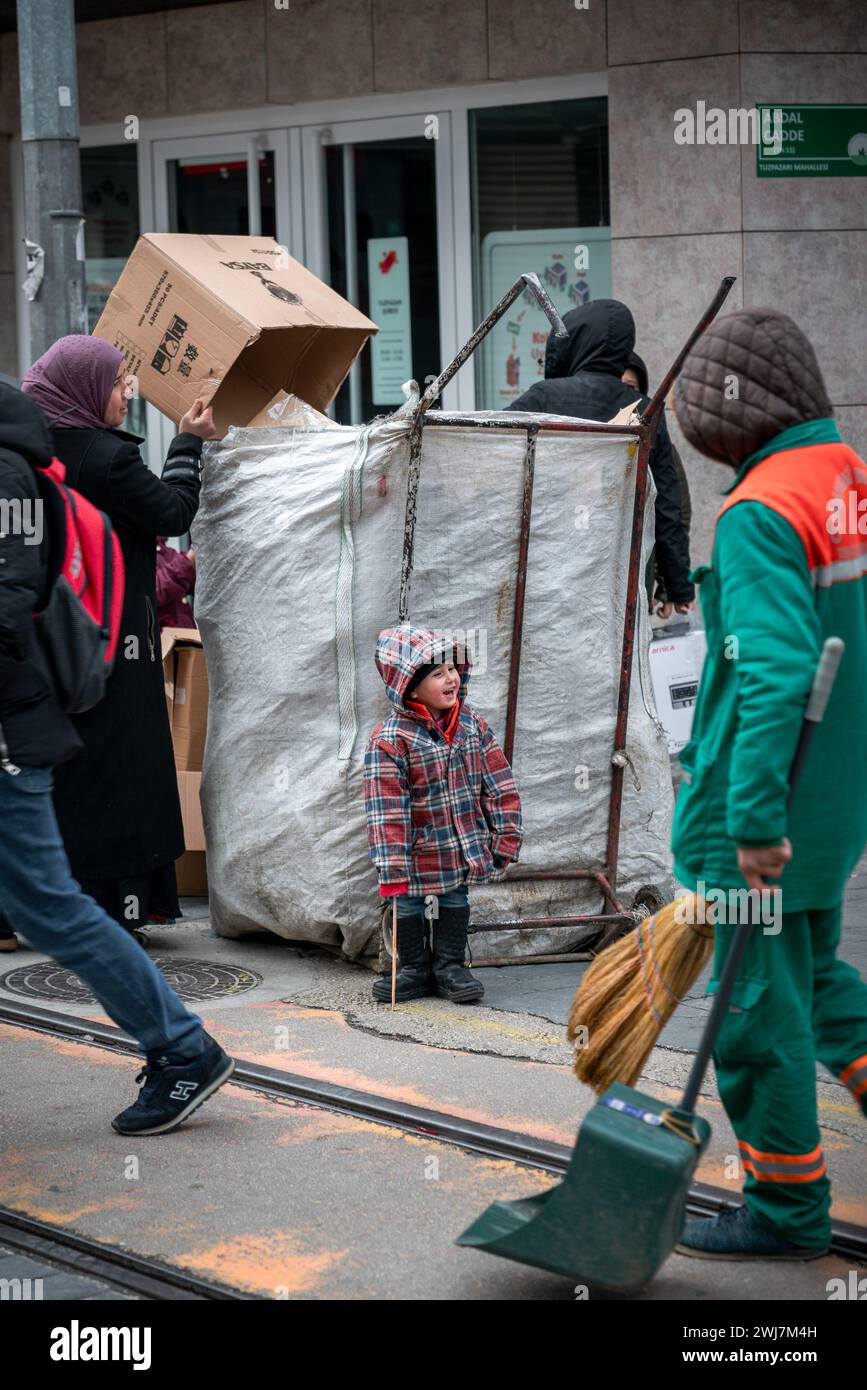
(823, 682)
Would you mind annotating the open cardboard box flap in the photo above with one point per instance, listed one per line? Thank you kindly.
(172, 637)
(232, 320)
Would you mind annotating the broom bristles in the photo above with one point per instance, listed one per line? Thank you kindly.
(632, 989)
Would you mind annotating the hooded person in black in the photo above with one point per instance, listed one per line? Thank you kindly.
(34, 732)
(583, 378)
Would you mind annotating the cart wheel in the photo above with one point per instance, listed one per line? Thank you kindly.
(647, 901)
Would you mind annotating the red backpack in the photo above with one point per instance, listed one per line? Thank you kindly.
(79, 626)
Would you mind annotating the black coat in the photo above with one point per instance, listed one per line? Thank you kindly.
(582, 378)
(117, 801)
(35, 730)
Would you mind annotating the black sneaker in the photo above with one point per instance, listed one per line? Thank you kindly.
(171, 1092)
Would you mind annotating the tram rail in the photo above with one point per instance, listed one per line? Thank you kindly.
(848, 1241)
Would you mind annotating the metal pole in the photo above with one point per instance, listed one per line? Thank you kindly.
(350, 241)
(254, 190)
(630, 618)
(53, 220)
(520, 591)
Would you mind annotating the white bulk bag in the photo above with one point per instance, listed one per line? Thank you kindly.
(299, 541)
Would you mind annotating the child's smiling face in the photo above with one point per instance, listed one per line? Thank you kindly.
(439, 690)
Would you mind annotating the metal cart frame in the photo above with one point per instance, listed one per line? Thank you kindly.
(615, 918)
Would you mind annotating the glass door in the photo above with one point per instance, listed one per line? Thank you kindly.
(230, 185)
(109, 186)
(208, 194)
(379, 230)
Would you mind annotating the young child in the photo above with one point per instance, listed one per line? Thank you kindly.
(442, 810)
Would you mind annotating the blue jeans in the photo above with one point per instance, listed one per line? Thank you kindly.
(414, 907)
(45, 903)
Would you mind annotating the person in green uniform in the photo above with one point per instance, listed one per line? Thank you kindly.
(788, 569)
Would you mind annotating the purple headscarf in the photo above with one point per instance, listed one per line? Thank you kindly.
(73, 380)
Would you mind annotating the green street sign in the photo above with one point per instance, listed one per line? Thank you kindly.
(808, 142)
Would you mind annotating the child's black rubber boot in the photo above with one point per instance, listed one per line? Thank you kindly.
(452, 978)
(414, 979)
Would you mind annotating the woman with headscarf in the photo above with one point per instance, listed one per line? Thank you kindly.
(117, 800)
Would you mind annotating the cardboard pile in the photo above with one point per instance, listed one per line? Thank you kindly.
(233, 320)
(186, 682)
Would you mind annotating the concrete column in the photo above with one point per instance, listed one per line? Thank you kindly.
(52, 174)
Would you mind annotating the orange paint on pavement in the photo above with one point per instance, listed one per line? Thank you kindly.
(302, 1065)
(309, 1125)
(274, 1264)
(32, 1195)
(81, 1051)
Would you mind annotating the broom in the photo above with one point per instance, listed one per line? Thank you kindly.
(632, 989)
(634, 986)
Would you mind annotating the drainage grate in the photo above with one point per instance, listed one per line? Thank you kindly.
(191, 979)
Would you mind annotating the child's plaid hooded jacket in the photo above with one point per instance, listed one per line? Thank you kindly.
(440, 804)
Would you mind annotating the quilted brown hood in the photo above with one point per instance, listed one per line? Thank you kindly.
(750, 376)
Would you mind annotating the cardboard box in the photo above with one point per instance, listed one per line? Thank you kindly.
(230, 319)
(185, 675)
(189, 790)
(191, 871)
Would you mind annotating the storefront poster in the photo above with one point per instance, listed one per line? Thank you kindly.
(391, 347)
(815, 142)
(574, 265)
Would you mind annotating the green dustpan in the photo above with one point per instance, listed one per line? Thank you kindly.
(619, 1211)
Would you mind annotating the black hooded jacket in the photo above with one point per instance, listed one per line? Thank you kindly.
(35, 730)
(582, 378)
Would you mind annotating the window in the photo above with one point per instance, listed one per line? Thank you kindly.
(211, 194)
(384, 259)
(109, 186)
(540, 203)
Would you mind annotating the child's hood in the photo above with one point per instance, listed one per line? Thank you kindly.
(400, 651)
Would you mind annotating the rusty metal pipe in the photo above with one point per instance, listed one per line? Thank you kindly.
(609, 893)
(592, 919)
(501, 961)
(525, 420)
(520, 590)
(649, 421)
(625, 681)
(519, 875)
(529, 281)
(414, 473)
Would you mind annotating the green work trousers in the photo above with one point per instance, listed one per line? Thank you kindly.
(793, 1003)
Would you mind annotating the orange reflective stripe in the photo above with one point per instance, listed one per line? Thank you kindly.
(812, 1157)
(849, 1071)
(855, 1077)
(784, 1177)
(769, 1167)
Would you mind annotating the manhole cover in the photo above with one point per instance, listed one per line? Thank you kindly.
(191, 979)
